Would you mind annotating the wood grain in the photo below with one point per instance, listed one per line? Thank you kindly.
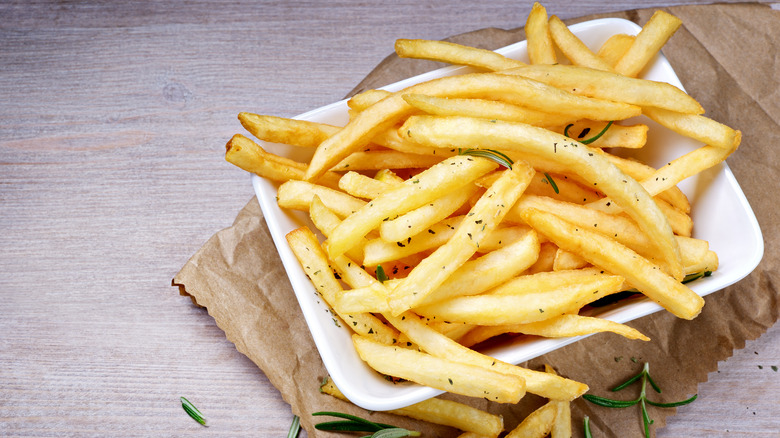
(112, 128)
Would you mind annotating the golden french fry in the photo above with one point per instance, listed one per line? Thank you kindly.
(439, 411)
(248, 155)
(538, 38)
(439, 373)
(479, 222)
(573, 48)
(436, 344)
(453, 53)
(546, 259)
(610, 255)
(538, 424)
(697, 127)
(611, 86)
(562, 326)
(521, 306)
(377, 160)
(597, 170)
(615, 47)
(298, 195)
(385, 113)
(288, 131)
(654, 34)
(484, 108)
(309, 253)
(439, 179)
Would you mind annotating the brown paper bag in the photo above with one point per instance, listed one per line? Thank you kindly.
(721, 57)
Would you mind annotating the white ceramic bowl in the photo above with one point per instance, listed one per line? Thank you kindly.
(720, 211)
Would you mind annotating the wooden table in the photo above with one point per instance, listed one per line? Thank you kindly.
(113, 121)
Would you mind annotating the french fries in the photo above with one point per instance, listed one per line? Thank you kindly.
(470, 206)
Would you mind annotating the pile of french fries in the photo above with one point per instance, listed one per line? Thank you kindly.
(475, 205)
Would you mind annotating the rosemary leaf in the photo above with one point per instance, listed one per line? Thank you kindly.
(608, 402)
(552, 182)
(380, 274)
(673, 404)
(491, 154)
(192, 411)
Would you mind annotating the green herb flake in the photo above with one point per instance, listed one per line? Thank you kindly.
(192, 411)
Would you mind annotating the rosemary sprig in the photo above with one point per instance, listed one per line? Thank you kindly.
(552, 182)
(589, 140)
(295, 427)
(491, 154)
(352, 423)
(642, 400)
(192, 411)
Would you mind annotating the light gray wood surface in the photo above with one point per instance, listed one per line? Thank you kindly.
(112, 126)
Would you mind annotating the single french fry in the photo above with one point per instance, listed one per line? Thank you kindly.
(248, 155)
(378, 160)
(288, 131)
(539, 41)
(439, 411)
(441, 178)
(562, 326)
(573, 48)
(610, 255)
(615, 47)
(298, 195)
(538, 424)
(436, 344)
(439, 373)
(611, 86)
(314, 262)
(452, 53)
(385, 113)
(479, 222)
(484, 108)
(697, 127)
(521, 306)
(654, 34)
(585, 162)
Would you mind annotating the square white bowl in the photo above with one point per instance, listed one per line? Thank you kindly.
(720, 211)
